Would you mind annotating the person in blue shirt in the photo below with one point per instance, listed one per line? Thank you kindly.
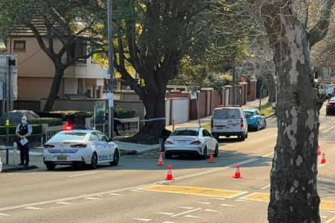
(23, 130)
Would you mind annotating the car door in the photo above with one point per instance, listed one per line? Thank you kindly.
(96, 144)
(106, 149)
(209, 141)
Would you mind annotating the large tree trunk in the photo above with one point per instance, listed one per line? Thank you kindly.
(59, 73)
(294, 196)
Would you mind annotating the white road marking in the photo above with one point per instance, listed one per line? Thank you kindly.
(186, 212)
(226, 205)
(136, 190)
(114, 194)
(184, 207)
(63, 203)
(142, 219)
(83, 174)
(210, 210)
(168, 222)
(191, 216)
(324, 216)
(219, 198)
(91, 198)
(265, 187)
(33, 208)
(207, 203)
(165, 213)
(242, 198)
(327, 130)
(4, 215)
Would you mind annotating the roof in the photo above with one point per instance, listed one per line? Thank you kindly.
(189, 128)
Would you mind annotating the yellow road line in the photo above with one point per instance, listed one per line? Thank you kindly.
(265, 197)
(200, 191)
(330, 220)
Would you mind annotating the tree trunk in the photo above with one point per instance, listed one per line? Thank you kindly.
(57, 80)
(154, 104)
(294, 197)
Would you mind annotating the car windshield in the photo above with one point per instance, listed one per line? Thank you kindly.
(67, 136)
(185, 132)
(248, 114)
(227, 114)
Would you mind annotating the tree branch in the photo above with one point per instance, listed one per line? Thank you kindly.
(40, 40)
(319, 31)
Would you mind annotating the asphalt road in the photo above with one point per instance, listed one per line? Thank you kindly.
(136, 190)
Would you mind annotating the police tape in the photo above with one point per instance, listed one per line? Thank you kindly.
(153, 119)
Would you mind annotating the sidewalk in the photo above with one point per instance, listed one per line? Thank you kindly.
(35, 155)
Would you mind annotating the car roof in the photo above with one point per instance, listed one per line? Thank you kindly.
(222, 108)
(189, 128)
(81, 131)
(251, 109)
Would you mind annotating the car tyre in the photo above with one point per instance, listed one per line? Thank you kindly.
(168, 155)
(116, 158)
(216, 151)
(94, 161)
(50, 166)
(242, 137)
(204, 155)
(257, 127)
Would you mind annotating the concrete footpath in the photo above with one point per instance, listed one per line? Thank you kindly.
(36, 153)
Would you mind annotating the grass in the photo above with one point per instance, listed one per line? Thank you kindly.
(267, 110)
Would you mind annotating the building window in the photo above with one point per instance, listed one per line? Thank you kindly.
(78, 49)
(19, 46)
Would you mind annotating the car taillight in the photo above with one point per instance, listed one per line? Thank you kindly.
(47, 146)
(242, 123)
(329, 105)
(81, 145)
(196, 142)
(168, 142)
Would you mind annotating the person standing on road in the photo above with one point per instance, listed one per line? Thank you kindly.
(23, 130)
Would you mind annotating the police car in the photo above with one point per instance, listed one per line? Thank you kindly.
(78, 147)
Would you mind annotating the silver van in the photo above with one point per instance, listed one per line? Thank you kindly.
(229, 121)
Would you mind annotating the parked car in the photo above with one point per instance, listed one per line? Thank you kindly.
(229, 121)
(330, 91)
(15, 116)
(330, 109)
(197, 141)
(80, 147)
(255, 119)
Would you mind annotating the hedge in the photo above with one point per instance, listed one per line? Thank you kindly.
(37, 129)
(49, 121)
(123, 113)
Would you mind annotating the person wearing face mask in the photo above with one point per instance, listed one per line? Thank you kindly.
(23, 130)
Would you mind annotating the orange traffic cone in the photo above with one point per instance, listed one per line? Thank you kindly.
(237, 173)
(323, 160)
(319, 150)
(169, 175)
(211, 158)
(160, 160)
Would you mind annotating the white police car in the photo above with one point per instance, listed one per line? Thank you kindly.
(77, 147)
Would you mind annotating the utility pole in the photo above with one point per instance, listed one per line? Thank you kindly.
(234, 85)
(110, 70)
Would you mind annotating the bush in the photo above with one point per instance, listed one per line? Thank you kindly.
(123, 113)
(37, 129)
(49, 121)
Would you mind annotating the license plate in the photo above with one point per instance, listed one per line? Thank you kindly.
(219, 128)
(61, 158)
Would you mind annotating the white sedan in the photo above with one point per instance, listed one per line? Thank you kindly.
(77, 147)
(197, 141)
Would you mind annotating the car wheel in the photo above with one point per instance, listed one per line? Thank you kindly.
(257, 127)
(168, 155)
(264, 124)
(94, 161)
(216, 152)
(246, 135)
(116, 158)
(204, 155)
(50, 166)
(242, 137)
